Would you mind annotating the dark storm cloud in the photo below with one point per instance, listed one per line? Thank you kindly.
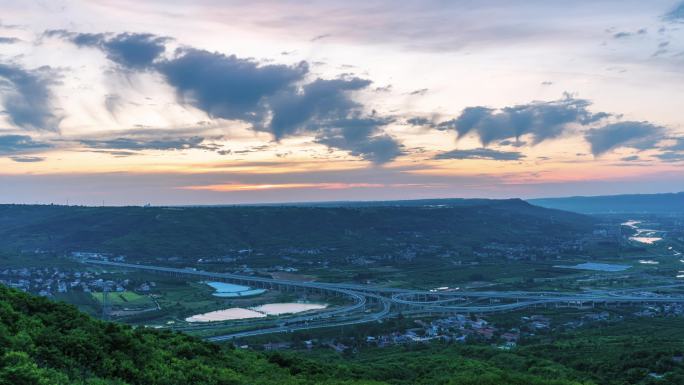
(273, 98)
(223, 86)
(130, 50)
(226, 86)
(480, 153)
(637, 135)
(540, 120)
(268, 97)
(20, 144)
(361, 137)
(134, 50)
(325, 107)
(316, 105)
(26, 97)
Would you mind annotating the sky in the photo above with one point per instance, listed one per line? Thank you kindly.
(225, 102)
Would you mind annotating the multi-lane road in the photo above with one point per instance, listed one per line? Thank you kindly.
(371, 303)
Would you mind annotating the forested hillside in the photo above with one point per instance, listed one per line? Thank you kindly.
(47, 343)
(211, 231)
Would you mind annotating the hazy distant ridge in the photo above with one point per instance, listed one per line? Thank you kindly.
(633, 203)
(211, 231)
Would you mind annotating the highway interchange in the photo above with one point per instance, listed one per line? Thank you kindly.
(372, 304)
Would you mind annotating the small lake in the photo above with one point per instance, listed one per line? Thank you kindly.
(229, 290)
(262, 311)
(645, 236)
(288, 308)
(610, 267)
(646, 240)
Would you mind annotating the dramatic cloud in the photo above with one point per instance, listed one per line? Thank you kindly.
(134, 50)
(540, 120)
(637, 135)
(226, 86)
(27, 159)
(273, 98)
(673, 153)
(325, 107)
(130, 50)
(137, 144)
(361, 137)
(678, 146)
(316, 105)
(480, 153)
(268, 97)
(26, 97)
(20, 144)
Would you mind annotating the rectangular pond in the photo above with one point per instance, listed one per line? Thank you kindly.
(229, 290)
(234, 313)
(271, 309)
(594, 266)
(288, 308)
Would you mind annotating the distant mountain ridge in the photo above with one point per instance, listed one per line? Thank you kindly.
(628, 203)
(436, 202)
(211, 231)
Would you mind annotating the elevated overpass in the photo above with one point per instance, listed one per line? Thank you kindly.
(372, 303)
